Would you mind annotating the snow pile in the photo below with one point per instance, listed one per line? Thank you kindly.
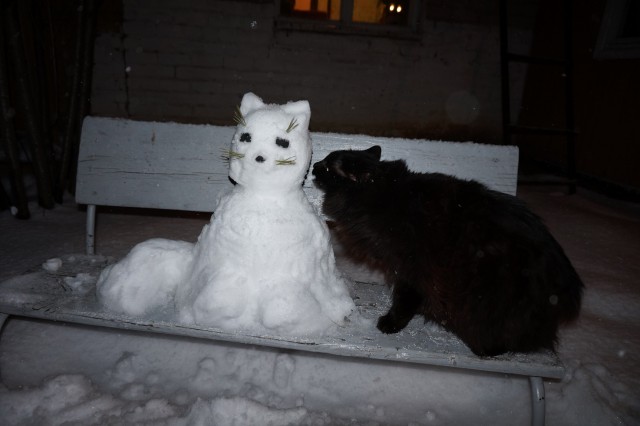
(52, 265)
(73, 399)
(241, 411)
(264, 264)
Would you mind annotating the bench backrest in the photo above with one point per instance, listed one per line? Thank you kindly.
(180, 167)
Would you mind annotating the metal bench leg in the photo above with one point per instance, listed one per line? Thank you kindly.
(91, 227)
(3, 318)
(537, 401)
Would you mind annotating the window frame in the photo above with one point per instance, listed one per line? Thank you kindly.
(346, 25)
(610, 44)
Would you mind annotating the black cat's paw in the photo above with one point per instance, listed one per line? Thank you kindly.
(388, 325)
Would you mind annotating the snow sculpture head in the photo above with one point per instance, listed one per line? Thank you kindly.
(271, 149)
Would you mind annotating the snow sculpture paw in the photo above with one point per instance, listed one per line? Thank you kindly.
(147, 278)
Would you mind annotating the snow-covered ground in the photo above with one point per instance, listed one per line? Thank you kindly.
(65, 374)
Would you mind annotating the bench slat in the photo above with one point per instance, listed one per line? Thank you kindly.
(179, 166)
(152, 165)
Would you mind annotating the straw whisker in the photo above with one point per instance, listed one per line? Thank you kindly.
(286, 161)
(238, 117)
(292, 125)
(229, 154)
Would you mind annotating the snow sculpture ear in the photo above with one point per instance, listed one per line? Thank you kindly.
(301, 110)
(250, 102)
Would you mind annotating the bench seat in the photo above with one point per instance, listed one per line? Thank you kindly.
(173, 166)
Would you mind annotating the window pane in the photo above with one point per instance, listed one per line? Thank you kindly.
(334, 9)
(314, 9)
(390, 12)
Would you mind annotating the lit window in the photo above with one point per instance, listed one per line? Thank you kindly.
(389, 16)
(387, 12)
(314, 9)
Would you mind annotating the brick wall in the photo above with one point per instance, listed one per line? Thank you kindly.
(192, 60)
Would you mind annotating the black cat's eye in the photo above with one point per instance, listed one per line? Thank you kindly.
(245, 137)
(284, 143)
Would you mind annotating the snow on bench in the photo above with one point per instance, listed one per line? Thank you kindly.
(178, 166)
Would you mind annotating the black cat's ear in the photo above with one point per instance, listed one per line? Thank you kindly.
(375, 151)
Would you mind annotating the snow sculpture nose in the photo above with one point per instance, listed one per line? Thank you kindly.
(260, 159)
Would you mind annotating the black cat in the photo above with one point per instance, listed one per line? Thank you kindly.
(475, 260)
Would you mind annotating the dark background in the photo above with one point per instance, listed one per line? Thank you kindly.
(192, 60)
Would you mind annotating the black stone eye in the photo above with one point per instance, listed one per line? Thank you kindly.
(245, 137)
(282, 142)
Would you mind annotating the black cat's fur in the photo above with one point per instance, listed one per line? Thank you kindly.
(474, 260)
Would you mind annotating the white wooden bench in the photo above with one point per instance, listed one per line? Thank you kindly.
(178, 166)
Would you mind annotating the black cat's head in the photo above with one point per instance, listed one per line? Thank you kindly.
(342, 168)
